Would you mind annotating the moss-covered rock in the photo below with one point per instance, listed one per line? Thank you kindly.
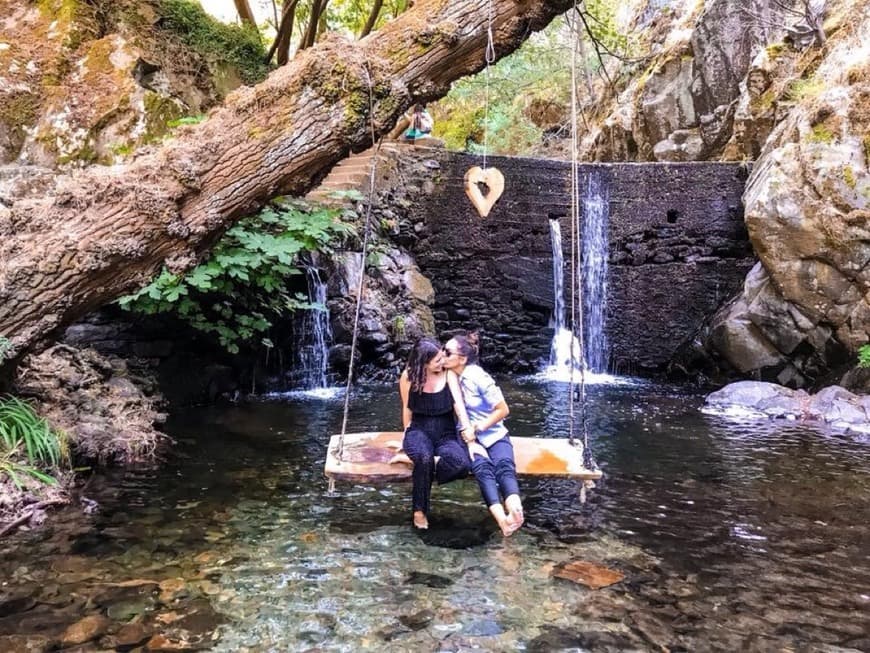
(84, 82)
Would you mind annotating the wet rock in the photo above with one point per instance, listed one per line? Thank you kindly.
(39, 620)
(201, 618)
(429, 580)
(587, 573)
(560, 639)
(483, 628)
(85, 630)
(418, 620)
(173, 642)
(137, 591)
(833, 405)
(25, 643)
(15, 604)
(653, 630)
(859, 644)
(172, 589)
(130, 636)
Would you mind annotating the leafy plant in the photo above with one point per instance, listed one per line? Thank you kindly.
(240, 291)
(22, 429)
(14, 469)
(864, 355)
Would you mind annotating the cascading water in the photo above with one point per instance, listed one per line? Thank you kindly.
(565, 355)
(565, 349)
(313, 336)
(594, 253)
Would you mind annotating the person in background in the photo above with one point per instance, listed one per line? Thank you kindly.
(493, 461)
(431, 442)
(420, 123)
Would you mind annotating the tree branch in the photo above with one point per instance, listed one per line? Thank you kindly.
(372, 19)
(103, 230)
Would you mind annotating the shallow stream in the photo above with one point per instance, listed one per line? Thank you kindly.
(733, 536)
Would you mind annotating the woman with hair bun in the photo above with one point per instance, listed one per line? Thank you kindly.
(490, 446)
(431, 442)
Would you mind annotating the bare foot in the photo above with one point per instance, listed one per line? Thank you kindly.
(503, 520)
(393, 444)
(515, 510)
(401, 457)
(420, 520)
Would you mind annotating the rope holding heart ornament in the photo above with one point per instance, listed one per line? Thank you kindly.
(492, 178)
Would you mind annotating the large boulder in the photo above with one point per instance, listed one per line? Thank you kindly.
(807, 207)
(833, 405)
(682, 107)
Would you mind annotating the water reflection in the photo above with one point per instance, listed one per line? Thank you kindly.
(733, 535)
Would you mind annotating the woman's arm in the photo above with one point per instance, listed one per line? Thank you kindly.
(404, 390)
(497, 414)
(459, 406)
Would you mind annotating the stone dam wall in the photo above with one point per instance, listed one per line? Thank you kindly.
(678, 249)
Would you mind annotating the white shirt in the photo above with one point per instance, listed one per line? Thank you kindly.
(481, 396)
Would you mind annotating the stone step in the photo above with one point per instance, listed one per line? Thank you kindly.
(353, 166)
(349, 178)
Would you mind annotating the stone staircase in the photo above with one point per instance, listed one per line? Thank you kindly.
(354, 172)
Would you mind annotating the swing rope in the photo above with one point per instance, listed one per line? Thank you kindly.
(489, 57)
(577, 392)
(362, 274)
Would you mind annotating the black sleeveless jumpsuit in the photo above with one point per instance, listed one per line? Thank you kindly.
(432, 432)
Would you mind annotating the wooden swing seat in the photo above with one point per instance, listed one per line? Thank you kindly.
(367, 457)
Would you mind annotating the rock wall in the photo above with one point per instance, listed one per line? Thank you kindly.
(804, 311)
(89, 82)
(678, 249)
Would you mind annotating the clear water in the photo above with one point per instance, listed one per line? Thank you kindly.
(733, 535)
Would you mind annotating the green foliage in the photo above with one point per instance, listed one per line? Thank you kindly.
(801, 89)
(601, 20)
(821, 133)
(240, 291)
(24, 433)
(534, 73)
(186, 120)
(351, 15)
(14, 470)
(240, 46)
(864, 355)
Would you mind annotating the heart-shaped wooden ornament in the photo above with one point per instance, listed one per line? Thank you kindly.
(494, 181)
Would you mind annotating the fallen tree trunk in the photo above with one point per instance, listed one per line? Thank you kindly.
(103, 231)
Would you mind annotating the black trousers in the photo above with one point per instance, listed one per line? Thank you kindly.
(422, 445)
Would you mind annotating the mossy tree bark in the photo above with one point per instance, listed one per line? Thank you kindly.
(104, 231)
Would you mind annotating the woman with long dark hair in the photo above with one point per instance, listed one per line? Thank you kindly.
(491, 450)
(431, 440)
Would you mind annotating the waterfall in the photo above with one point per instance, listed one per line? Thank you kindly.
(313, 336)
(592, 275)
(594, 253)
(563, 339)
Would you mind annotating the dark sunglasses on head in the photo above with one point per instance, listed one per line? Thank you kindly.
(449, 353)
